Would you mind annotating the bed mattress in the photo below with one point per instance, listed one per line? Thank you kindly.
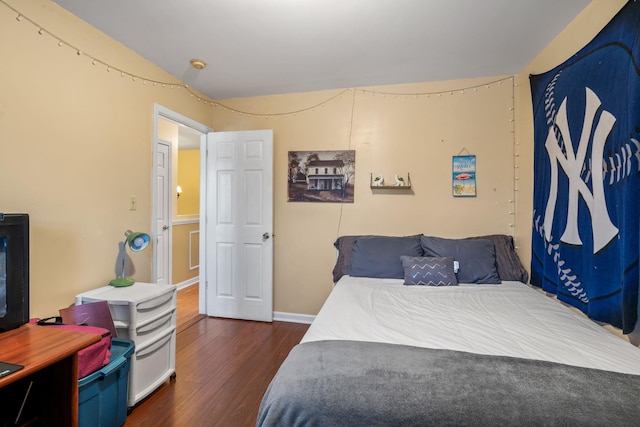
(509, 319)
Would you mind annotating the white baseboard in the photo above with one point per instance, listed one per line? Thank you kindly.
(279, 316)
(188, 283)
(293, 317)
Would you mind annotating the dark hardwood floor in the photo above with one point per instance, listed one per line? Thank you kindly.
(223, 368)
(187, 307)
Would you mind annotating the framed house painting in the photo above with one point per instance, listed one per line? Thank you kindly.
(464, 176)
(321, 176)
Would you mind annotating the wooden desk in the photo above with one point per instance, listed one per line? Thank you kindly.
(50, 360)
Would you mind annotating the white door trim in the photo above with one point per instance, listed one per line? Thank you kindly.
(160, 112)
(202, 301)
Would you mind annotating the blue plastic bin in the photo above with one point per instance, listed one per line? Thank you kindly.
(102, 395)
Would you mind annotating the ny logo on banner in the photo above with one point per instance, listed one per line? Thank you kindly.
(571, 162)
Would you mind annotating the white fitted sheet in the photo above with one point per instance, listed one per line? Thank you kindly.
(510, 319)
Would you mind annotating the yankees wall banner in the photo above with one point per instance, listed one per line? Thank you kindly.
(586, 195)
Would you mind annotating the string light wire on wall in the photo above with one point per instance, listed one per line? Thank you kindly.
(516, 166)
(135, 78)
(353, 108)
(369, 92)
(41, 30)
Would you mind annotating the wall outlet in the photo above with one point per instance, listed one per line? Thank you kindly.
(133, 203)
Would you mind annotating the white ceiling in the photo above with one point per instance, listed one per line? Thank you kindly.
(263, 47)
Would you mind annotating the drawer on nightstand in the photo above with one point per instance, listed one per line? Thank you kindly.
(151, 365)
(135, 304)
(144, 310)
(148, 330)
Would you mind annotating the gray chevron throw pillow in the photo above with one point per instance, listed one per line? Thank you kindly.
(428, 271)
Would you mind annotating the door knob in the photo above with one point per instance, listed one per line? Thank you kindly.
(265, 236)
(165, 227)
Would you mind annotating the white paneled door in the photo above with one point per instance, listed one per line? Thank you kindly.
(238, 224)
(163, 213)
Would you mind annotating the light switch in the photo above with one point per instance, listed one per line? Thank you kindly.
(133, 202)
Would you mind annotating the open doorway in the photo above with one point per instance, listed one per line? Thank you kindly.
(176, 198)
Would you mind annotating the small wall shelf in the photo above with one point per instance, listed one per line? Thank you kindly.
(406, 186)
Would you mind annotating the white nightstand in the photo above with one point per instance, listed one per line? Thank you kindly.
(146, 314)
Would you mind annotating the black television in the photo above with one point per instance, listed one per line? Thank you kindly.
(14, 270)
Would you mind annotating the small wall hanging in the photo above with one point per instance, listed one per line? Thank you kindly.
(321, 176)
(378, 183)
(464, 175)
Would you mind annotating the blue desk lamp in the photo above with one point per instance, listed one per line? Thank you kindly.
(136, 241)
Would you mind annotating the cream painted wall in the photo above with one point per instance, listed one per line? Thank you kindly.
(391, 134)
(396, 134)
(168, 131)
(189, 180)
(186, 252)
(75, 143)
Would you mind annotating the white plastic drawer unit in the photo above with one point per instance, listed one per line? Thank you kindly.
(146, 314)
(133, 304)
(148, 330)
(152, 364)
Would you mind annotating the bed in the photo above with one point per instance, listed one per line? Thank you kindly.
(386, 351)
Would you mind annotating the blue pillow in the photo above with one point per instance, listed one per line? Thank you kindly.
(427, 271)
(379, 256)
(476, 258)
(344, 245)
(508, 262)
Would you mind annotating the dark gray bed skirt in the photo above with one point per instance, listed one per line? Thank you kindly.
(347, 383)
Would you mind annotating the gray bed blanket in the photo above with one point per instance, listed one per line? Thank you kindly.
(347, 383)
